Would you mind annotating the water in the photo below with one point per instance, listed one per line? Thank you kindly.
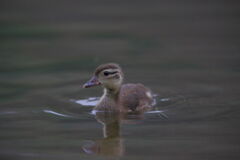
(198, 125)
(186, 52)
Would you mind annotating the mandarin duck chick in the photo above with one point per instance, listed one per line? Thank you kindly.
(117, 96)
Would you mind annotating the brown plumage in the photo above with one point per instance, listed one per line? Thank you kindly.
(117, 96)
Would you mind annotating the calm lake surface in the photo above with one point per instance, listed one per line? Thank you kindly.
(187, 53)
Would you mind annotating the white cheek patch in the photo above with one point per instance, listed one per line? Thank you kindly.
(111, 80)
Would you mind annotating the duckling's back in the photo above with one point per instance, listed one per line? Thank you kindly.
(135, 97)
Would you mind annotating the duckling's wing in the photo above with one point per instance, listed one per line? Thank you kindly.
(132, 96)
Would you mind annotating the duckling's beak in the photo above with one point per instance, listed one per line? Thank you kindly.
(92, 82)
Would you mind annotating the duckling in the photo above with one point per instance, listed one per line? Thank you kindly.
(117, 96)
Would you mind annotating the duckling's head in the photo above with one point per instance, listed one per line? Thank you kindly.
(109, 75)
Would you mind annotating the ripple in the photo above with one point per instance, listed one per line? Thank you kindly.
(8, 112)
(91, 101)
(159, 113)
(165, 99)
(155, 111)
(56, 113)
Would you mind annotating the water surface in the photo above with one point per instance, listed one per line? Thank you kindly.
(186, 52)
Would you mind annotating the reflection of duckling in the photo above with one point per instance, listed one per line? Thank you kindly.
(118, 96)
(112, 143)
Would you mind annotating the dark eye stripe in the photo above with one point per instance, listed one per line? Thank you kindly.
(106, 73)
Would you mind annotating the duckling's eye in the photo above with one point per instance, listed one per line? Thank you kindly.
(106, 73)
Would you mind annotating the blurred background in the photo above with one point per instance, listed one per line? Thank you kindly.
(187, 49)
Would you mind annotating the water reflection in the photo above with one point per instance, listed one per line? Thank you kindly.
(112, 143)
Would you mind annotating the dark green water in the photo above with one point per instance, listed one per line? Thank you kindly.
(186, 52)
